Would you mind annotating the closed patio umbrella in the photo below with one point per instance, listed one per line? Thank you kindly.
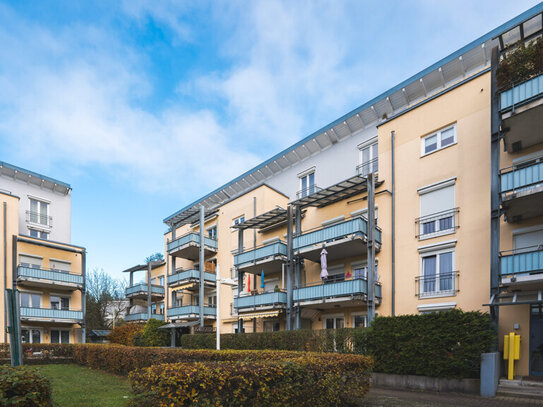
(262, 279)
(324, 264)
(249, 283)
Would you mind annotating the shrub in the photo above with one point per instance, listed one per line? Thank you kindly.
(125, 334)
(521, 64)
(24, 387)
(45, 350)
(308, 380)
(152, 335)
(445, 344)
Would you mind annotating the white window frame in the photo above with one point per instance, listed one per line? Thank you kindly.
(437, 293)
(306, 174)
(69, 297)
(361, 147)
(29, 329)
(60, 337)
(39, 261)
(30, 293)
(238, 220)
(39, 214)
(334, 317)
(359, 314)
(212, 235)
(438, 134)
(431, 188)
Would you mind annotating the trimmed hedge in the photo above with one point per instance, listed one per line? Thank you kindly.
(24, 387)
(47, 350)
(308, 380)
(126, 334)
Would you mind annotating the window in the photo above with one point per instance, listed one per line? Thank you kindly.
(360, 321)
(437, 274)
(360, 271)
(368, 158)
(30, 261)
(336, 273)
(59, 265)
(211, 301)
(239, 220)
(438, 140)
(29, 335)
(527, 240)
(30, 300)
(161, 281)
(212, 232)
(177, 300)
(60, 336)
(437, 210)
(39, 212)
(334, 322)
(307, 184)
(60, 303)
(38, 234)
(271, 326)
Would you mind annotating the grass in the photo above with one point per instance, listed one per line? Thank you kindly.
(75, 385)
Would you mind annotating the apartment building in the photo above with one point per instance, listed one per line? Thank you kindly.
(38, 258)
(145, 300)
(424, 199)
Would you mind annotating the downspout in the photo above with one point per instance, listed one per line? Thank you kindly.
(392, 134)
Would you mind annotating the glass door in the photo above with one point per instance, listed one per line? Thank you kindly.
(536, 341)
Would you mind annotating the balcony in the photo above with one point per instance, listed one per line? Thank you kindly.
(522, 190)
(268, 257)
(39, 219)
(344, 239)
(437, 224)
(51, 315)
(188, 277)
(39, 277)
(522, 266)
(140, 291)
(191, 312)
(273, 300)
(142, 316)
(350, 293)
(188, 246)
(442, 285)
(521, 107)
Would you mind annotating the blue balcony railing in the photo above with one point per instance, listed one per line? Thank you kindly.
(522, 176)
(187, 275)
(334, 290)
(522, 93)
(142, 288)
(51, 275)
(522, 261)
(329, 233)
(260, 300)
(47, 313)
(262, 252)
(142, 316)
(190, 310)
(191, 238)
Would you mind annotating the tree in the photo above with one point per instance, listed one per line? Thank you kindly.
(105, 300)
(154, 257)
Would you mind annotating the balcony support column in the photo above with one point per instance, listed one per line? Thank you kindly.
(149, 290)
(371, 247)
(290, 291)
(297, 263)
(495, 124)
(202, 265)
(84, 296)
(240, 277)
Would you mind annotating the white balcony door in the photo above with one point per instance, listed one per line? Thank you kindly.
(334, 322)
(31, 335)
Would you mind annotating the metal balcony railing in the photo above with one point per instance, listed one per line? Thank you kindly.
(191, 238)
(437, 223)
(521, 93)
(522, 261)
(50, 275)
(186, 275)
(47, 313)
(368, 167)
(438, 285)
(357, 286)
(191, 310)
(142, 316)
(260, 300)
(261, 252)
(522, 176)
(340, 230)
(39, 218)
(310, 190)
(142, 287)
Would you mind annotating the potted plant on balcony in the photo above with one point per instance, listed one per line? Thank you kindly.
(521, 64)
(276, 289)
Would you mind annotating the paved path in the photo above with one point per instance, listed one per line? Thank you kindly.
(381, 397)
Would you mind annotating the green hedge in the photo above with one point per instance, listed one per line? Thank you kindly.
(24, 387)
(520, 65)
(47, 350)
(308, 380)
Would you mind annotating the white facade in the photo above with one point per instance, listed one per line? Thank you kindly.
(44, 206)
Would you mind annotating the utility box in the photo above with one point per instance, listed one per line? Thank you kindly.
(490, 373)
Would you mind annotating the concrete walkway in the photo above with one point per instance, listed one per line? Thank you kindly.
(384, 397)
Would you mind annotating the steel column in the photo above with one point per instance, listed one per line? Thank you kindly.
(240, 276)
(202, 265)
(371, 247)
(149, 290)
(290, 292)
(84, 296)
(297, 263)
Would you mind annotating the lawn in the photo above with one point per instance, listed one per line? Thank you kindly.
(75, 385)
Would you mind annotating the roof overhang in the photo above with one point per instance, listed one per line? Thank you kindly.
(33, 178)
(264, 220)
(141, 267)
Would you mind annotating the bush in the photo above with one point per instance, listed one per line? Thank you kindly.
(46, 350)
(152, 335)
(445, 344)
(24, 387)
(308, 380)
(521, 64)
(126, 334)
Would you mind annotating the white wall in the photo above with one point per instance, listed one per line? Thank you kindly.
(59, 207)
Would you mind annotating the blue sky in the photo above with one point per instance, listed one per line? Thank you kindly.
(144, 106)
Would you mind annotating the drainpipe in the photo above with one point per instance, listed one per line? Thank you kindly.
(289, 268)
(84, 296)
(297, 263)
(495, 124)
(371, 247)
(202, 266)
(392, 134)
